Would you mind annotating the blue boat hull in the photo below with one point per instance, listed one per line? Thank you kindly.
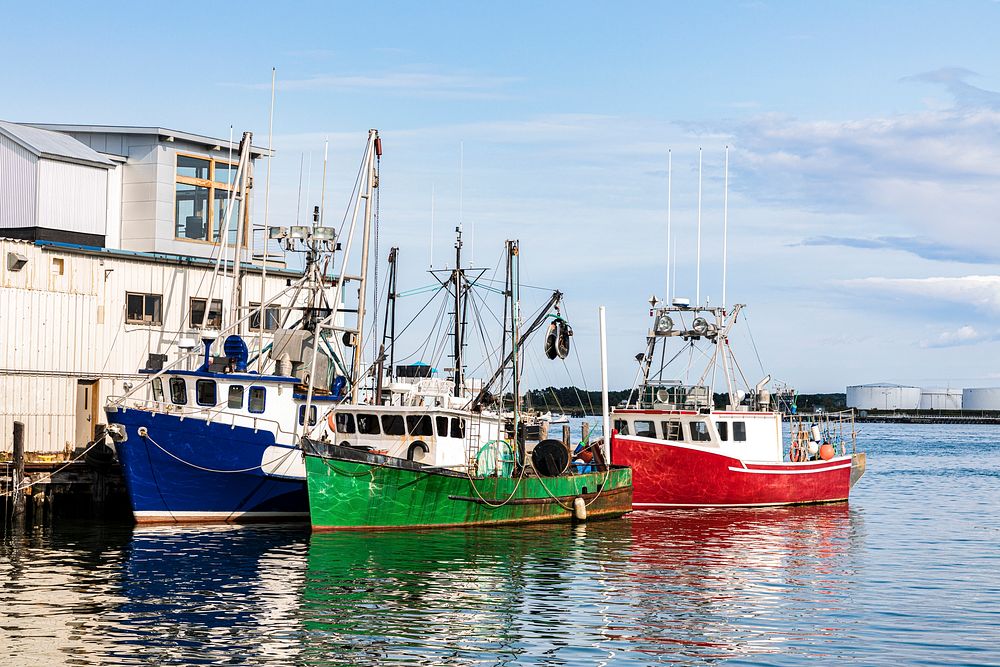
(193, 471)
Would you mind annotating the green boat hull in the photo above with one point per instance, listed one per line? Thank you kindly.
(355, 490)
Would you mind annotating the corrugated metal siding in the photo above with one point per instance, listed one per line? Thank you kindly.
(57, 328)
(72, 197)
(18, 184)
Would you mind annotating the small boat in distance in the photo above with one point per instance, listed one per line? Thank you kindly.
(553, 418)
(685, 452)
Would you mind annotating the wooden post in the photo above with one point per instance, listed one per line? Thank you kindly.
(18, 481)
(586, 432)
(565, 437)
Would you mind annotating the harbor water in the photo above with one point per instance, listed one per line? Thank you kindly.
(907, 573)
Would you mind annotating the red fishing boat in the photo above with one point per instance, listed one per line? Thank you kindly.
(686, 452)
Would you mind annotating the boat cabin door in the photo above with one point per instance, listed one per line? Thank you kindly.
(86, 410)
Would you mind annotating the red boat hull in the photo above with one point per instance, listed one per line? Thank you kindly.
(667, 474)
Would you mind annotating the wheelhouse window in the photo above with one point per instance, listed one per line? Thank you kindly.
(393, 425)
(699, 431)
(214, 319)
(723, 429)
(143, 308)
(312, 415)
(272, 317)
(205, 392)
(621, 426)
(442, 426)
(178, 391)
(420, 425)
(739, 431)
(457, 427)
(204, 187)
(368, 424)
(257, 400)
(344, 422)
(235, 396)
(158, 389)
(645, 429)
(672, 430)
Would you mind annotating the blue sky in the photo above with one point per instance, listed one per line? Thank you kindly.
(864, 149)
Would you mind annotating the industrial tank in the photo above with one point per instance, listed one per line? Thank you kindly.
(987, 398)
(883, 396)
(940, 399)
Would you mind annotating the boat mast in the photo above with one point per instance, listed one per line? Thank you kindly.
(457, 277)
(237, 259)
(512, 262)
(374, 154)
(388, 327)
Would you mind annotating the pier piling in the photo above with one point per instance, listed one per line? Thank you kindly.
(565, 437)
(18, 478)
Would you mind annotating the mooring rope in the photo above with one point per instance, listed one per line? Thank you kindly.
(49, 476)
(259, 466)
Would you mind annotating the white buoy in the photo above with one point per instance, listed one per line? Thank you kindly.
(579, 509)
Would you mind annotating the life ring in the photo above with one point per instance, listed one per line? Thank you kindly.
(331, 421)
(795, 453)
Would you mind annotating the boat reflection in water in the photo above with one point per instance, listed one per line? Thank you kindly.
(724, 583)
(208, 594)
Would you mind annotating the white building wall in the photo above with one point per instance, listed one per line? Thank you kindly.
(883, 397)
(18, 185)
(72, 197)
(981, 399)
(62, 320)
(941, 399)
(113, 233)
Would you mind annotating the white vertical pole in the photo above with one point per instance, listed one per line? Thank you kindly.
(267, 210)
(697, 280)
(309, 178)
(432, 225)
(322, 197)
(725, 229)
(669, 190)
(605, 410)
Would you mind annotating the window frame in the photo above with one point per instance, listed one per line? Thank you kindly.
(203, 382)
(699, 430)
(646, 433)
(268, 311)
(739, 431)
(209, 322)
(178, 382)
(345, 420)
(157, 388)
(673, 430)
(396, 421)
(722, 427)
(441, 426)
(144, 322)
(621, 426)
(229, 396)
(250, 393)
(461, 430)
(312, 415)
(413, 421)
(212, 185)
(369, 418)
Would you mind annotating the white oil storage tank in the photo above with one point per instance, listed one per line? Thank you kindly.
(987, 398)
(940, 399)
(883, 396)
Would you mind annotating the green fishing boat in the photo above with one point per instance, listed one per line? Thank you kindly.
(426, 452)
(354, 489)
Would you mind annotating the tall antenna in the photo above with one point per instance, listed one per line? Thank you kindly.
(725, 228)
(229, 198)
(298, 201)
(264, 236)
(461, 187)
(432, 225)
(309, 178)
(322, 197)
(669, 188)
(697, 281)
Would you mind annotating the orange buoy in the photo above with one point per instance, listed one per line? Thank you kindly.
(827, 452)
(331, 421)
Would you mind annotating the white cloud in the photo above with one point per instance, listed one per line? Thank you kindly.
(964, 335)
(981, 292)
(421, 83)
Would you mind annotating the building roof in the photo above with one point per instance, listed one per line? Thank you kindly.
(164, 133)
(53, 145)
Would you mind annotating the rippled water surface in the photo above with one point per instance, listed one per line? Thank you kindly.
(908, 573)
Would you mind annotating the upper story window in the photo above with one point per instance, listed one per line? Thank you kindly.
(204, 188)
(143, 308)
(214, 319)
(272, 317)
